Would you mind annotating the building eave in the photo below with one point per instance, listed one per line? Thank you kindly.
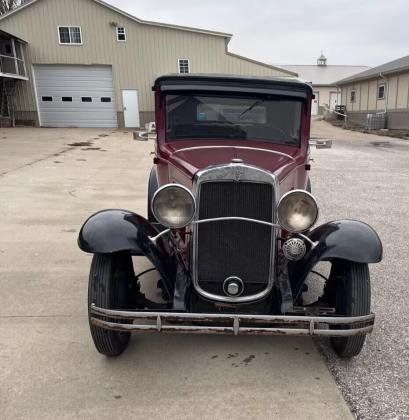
(260, 63)
(348, 81)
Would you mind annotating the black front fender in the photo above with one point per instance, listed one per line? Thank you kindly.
(111, 231)
(341, 239)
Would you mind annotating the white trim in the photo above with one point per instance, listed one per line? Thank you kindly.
(36, 95)
(69, 26)
(188, 65)
(117, 34)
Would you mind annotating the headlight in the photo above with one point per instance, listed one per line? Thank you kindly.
(297, 211)
(173, 206)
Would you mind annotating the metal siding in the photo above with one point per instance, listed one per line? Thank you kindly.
(372, 95)
(148, 52)
(75, 82)
(403, 90)
(364, 96)
(392, 92)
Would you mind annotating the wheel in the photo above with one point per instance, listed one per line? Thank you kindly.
(308, 188)
(109, 280)
(349, 291)
(152, 187)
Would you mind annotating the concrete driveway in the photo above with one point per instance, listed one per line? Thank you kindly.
(50, 181)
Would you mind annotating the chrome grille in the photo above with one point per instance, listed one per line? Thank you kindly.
(238, 248)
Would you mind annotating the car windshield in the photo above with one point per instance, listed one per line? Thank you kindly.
(207, 116)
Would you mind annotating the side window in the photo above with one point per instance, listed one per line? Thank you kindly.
(46, 98)
(184, 66)
(86, 99)
(381, 92)
(70, 35)
(66, 98)
(353, 95)
(120, 34)
(106, 99)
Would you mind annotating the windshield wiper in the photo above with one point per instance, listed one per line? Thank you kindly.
(259, 101)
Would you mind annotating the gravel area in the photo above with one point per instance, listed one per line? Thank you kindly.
(366, 177)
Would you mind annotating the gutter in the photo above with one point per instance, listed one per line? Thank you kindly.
(386, 92)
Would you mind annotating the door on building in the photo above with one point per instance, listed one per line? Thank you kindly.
(315, 104)
(131, 108)
(333, 100)
(75, 96)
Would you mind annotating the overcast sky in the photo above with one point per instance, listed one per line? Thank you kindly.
(367, 32)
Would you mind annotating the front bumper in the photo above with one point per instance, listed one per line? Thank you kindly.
(234, 324)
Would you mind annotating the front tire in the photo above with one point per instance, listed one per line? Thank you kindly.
(109, 281)
(350, 292)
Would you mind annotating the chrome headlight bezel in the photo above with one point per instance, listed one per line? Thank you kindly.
(312, 201)
(161, 219)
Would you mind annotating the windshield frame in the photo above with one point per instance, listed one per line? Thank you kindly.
(255, 100)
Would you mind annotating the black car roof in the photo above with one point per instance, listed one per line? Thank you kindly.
(226, 82)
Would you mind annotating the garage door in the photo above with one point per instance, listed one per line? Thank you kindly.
(75, 96)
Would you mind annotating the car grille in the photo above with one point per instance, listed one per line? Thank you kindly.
(234, 248)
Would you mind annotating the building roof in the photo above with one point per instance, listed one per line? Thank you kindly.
(8, 34)
(134, 18)
(390, 67)
(324, 75)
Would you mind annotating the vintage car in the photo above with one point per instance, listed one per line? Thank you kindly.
(230, 225)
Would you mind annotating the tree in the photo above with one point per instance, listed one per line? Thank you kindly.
(7, 5)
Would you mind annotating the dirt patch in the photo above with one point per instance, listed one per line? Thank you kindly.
(248, 359)
(385, 144)
(80, 144)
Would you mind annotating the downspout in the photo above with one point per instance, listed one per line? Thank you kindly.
(386, 91)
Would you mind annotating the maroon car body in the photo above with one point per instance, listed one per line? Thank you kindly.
(230, 225)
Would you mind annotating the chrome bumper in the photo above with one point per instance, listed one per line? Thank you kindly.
(233, 324)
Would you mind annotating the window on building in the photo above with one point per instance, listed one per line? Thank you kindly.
(70, 35)
(67, 98)
(184, 66)
(8, 49)
(47, 98)
(120, 34)
(86, 99)
(105, 99)
(381, 92)
(353, 95)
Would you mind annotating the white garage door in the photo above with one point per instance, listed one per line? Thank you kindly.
(75, 96)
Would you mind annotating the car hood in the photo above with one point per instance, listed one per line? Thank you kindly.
(192, 159)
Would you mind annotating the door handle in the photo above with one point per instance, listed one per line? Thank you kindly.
(124, 108)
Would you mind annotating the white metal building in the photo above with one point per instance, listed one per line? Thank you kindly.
(90, 64)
